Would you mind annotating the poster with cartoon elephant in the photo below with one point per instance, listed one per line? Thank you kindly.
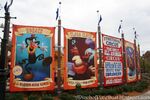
(80, 59)
(130, 62)
(32, 58)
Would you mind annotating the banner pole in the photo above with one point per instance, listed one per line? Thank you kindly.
(100, 67)
(124, 59)
(59, 80)
(4, 52)
(59, 58)
(139, 60)
(135, 52)
(123, 52)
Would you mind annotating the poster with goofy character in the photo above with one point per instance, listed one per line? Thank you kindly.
(32, 58)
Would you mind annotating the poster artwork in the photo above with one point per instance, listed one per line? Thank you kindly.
(80, 59)
(32, 59)
(112, 56)
(130, 61)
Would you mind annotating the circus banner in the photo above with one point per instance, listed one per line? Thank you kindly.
(32, 67)
(112, 60)
(130, 62)
(80, 59)
(138, 64)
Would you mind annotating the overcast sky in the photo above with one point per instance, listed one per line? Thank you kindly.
(82, 15)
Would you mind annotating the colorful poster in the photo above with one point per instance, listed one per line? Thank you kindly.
(32, 66)
(112, 56)
(80, 59)
(130, 62)
(138, 64)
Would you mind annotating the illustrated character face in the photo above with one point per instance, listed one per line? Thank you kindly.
(32, 44)
(32, 47)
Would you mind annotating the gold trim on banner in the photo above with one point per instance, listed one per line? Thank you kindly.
(69, 35)
(40, 84)
(31, 30)
(82, 82)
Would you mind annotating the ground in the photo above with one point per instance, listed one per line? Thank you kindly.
(138, 96)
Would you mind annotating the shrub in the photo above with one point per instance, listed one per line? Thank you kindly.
(47, 97)
(127, 88)
(84, 93)
(66, 96)
(119, 89)
(141, 86)
(110, 91)
(14, 96)
(33, 97)
(78, 88)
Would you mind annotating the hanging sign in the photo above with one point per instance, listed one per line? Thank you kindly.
(80, 59)
(32, 65)
(112, 60)
(130, 62)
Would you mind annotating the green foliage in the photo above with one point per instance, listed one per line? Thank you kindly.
(66, 96)
(85, 93)
(145, 62)
(138, 86)
(147, 66)
(14, 96)
(119, 89)
(33, 97)
(110, 91)
(47, 97)
(141, 86)
(78, 88)
(127, 88)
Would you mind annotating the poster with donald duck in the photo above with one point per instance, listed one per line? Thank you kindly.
(80, 59)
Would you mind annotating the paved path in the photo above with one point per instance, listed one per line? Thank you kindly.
(144, 96)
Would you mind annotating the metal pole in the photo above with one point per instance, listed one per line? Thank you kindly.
(59, 80)
(124, 58)
(124, 53)
(139, 59)
(100, 67)
(4, 52)
(136, 53)
(136, 57)
(100, 58)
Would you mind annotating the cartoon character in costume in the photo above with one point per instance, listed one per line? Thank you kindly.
(130, 61)
(81, 66)
(32, 44)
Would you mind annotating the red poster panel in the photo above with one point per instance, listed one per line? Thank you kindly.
(32, 67)
(80, 59)
(112, 56)
(138, 64)
(130, 62)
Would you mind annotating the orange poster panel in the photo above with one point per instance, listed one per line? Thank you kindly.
(80, 59)
(32, 63)
(130, 62)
